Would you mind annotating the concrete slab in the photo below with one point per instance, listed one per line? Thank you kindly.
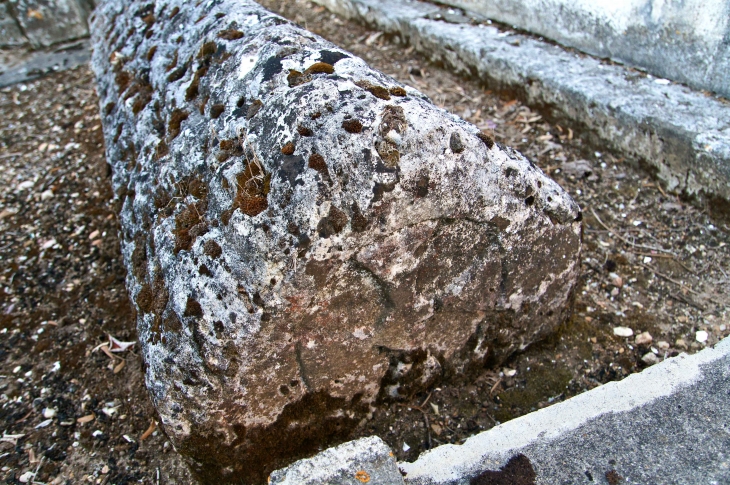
(669, 424)
(367, 460)
(684, 41)
(681, 135)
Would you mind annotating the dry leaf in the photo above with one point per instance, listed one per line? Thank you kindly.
(86, 419)
(119, 367)
(119, 346)
(149, 431)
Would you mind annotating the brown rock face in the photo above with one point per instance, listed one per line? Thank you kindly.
(306, 238)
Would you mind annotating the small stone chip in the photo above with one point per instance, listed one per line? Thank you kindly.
(650, 358)
(455, 143)
(644, 338)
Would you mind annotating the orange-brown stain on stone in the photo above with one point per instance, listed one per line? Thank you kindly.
(362, 476)
(176, 119)
(288, 149)
(230, 34)
(252, 187)
(320, 68)
(352, 126)
(316, 162)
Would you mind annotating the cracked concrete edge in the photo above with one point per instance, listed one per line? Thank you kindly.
(367, 460)
(449, 464)
(681, 135)
(548, 436)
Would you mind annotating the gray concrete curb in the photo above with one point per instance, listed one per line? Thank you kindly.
(683, 136)
(40, 63)
(678, 40)
(668, 424)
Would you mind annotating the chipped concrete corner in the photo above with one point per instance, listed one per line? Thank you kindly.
(305, 237)
(367, 460)
(682, 136)
(667, 424)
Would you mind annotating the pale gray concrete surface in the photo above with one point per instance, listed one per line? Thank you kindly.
(683, 136)
(669, 424)
(367, 460)
(687, 41)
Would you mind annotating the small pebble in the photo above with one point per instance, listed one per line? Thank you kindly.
(650, 358)
(623, 332)
(509, 372)
(644, 338)
(49, 413)
(616, 280)
(663, 345)
(26, 477)
(43, 424)
(701, 336)
(405, 446)
(48, 194)
(681, 343)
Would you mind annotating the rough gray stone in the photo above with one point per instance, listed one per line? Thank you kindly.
(683, 136)
(47, 22)
(302, 242)
(10, 33)
(367, 460)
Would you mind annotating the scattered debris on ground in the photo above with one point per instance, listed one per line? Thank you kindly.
(73, 407)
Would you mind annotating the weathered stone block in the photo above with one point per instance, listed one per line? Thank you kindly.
(305, 237)
(10, 33)
(47, 22)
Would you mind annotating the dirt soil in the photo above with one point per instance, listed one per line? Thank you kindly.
(73, 407)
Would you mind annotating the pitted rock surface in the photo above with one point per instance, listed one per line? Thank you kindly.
(305, 237)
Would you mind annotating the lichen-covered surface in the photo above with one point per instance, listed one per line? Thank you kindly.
(305, 237)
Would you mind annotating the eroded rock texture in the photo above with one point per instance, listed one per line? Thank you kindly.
(305, 237)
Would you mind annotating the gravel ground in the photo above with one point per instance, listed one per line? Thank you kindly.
(73, 408)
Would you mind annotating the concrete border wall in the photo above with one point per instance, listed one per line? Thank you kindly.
(686, 41)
